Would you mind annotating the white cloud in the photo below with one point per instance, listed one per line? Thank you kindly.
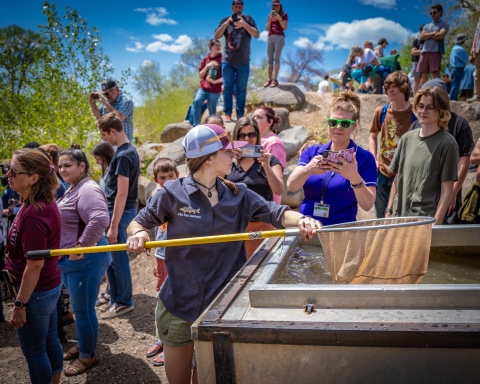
(343, 35)
(177, 46)
(146, 63)
(138, 47)
(384, 4)
(133, 68)
(156, 16)
(263, 36)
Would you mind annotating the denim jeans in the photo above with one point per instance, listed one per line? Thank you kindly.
(384, 185)
(198, 102)
(235, 75)
(189, 115)
(82, 279)
(358, 77)
(457, 75)
(119, 276)
(38, 337)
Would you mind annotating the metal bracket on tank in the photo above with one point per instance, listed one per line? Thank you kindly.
(255, 235)
(309, 308)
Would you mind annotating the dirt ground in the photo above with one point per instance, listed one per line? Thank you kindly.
(122, 341)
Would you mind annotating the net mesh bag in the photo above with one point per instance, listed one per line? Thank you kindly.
(382, 251)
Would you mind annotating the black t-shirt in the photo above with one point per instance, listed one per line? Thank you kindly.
(126, 163)
(419, 45)
(459, 128)
(237, 42)
(255, 178)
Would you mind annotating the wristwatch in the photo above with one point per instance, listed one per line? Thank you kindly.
(388, 210)
(20, 304)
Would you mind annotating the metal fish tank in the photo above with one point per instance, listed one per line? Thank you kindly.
(283, 319)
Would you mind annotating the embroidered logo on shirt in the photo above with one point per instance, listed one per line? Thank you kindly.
(190, 212)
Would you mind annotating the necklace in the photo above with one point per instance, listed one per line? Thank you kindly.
(209, 194)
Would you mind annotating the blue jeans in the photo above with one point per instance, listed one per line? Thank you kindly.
(358, 77)
(198, 102)
(189, 116)
(38, 337)
(119, 276)
(384, 185)
(457, 75)
(235, 75)
(82, 279)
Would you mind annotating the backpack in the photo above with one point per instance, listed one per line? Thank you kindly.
(384, 113)
(469, 210)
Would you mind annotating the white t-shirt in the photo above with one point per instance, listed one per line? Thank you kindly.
(367, 57)
(323, 86)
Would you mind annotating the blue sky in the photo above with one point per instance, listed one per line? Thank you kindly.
(133, 32)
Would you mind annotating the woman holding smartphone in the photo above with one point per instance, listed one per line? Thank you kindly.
(334, 189)
(262, 174)
(276, 25)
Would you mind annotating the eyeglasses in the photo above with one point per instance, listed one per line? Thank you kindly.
(107, 93)
(14, 173)
(345, 124)
(428, 108)
(250, 135)
(433, 13)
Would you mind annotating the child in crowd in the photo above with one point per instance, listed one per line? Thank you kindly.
(467, 84)
(164, 169)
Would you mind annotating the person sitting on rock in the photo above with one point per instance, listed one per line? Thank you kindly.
(364, 63)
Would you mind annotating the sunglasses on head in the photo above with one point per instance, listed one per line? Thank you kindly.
(14, 173)
(345, 124)
(250, 135)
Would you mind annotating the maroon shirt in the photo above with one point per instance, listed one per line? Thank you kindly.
(204, 84)
(35, 229)
(276, 28)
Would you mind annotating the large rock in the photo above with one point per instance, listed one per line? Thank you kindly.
(284, 120)
(143, 183)
(284, 95)
(145, 154)
(293, 139)
(174, 131)
(174, 151)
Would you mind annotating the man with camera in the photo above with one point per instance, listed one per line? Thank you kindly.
(238, 30)
(113, 100)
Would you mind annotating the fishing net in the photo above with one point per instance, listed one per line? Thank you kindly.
(381, 251)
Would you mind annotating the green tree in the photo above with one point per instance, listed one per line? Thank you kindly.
(183, 77)
(148, 80)
(193, 55)
(52, 104)
(405, 58)
(258, 75)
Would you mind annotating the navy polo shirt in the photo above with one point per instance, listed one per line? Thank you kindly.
(339, 194)
(197, 273)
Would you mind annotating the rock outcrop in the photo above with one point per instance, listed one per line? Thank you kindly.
(174, 131)
(293, 139)
(284, 95)
(173, 151)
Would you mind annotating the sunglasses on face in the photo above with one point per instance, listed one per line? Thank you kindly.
(250, 135)
(433, 13)
(345, 124)
(14, 173)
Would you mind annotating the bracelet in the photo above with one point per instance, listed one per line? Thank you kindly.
(304, 217)
(140, 230)
(388, 210)
(359, 185)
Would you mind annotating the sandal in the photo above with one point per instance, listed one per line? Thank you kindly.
(159, 361)
(154, 349)
(267, 83)
(104, 298)
(274, 84)
(73, 370)
(69, 355)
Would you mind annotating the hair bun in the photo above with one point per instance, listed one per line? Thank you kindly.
(75, 146)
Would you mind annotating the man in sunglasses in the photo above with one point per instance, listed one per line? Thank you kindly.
(433, 35)
(113, 100)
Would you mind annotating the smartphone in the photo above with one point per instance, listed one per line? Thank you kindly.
(95, 96)
(333, 156)
(252, 151)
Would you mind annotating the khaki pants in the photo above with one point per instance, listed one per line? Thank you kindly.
(477, 75)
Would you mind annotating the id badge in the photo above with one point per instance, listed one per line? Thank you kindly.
(321, 210)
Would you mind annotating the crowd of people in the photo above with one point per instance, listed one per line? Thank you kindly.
(418, 156)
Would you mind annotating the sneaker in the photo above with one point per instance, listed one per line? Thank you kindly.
(105, 307)
(117, 310)
(473, 99)
(68, 319)
(227, 119)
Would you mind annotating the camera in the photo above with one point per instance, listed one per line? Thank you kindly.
(235, 17)
(95, 96)
(252, 151)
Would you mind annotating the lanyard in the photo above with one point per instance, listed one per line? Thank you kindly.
(324, 188)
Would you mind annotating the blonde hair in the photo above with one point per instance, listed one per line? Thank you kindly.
(356, 50)
(347, 101)
(440, 101)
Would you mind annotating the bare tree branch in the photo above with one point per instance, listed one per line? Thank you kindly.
(303, 66)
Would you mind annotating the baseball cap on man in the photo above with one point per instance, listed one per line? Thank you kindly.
(382, 40)
(108, 85)
(237, 2)
(208, 138)
(276, 2)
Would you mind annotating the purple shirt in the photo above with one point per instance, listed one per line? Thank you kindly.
(84, 215)
(338, 193)
(276, 28)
